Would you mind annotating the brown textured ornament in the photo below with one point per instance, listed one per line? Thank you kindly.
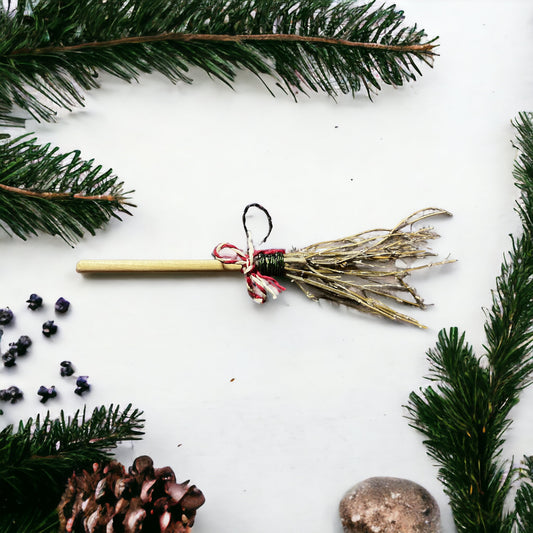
(111, 500)
(389, 505)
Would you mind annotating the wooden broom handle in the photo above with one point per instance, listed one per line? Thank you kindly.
(90, 266)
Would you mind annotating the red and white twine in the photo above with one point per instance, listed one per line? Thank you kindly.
(259, 285)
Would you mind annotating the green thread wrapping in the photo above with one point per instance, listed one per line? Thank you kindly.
(270, 263)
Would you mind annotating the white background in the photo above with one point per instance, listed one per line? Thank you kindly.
(275, 411)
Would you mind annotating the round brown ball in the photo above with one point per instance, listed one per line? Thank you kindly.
(389, 505)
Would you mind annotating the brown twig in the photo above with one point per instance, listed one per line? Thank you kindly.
(61, 195)
(426, 48)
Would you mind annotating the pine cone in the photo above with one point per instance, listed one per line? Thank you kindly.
(109, 500)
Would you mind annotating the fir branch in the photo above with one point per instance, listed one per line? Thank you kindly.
(464, 417)
(462, 435)
(524, 499)
(51, 51)
(37, 459)
(29, 520)
(42, 190)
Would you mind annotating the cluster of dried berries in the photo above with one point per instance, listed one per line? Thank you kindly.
(61, 306)
(65, 370)
(144, 499)
(35, 301)
(11, 394)
(20, 348)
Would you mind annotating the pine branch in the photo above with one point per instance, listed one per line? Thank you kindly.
(52, 50)
(509, 323)
(524, 498)
(29, 520)
(42, 190)
(37, 459)
(464, 417)
(6, 120)
(461, 434)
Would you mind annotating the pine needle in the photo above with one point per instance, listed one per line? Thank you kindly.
(466, 413)
(38, 457)
(52, 50)
(524, 498)
(42, 190)
(30, 520)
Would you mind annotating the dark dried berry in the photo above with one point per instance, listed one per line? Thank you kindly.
(34, 301)
(46, 393)
(66, 368)
(49, 328)
(9, 359)
(6, 316)
(4, 395)
(62, 305)
(23, 344)
(82, 385)
(13, 348)
(11, 394)
(16, 393)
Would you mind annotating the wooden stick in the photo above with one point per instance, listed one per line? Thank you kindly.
(103, 266)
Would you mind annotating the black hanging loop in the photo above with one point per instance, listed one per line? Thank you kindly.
(269, 220)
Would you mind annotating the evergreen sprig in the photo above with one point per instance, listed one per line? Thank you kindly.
(42, 190)
(524, 498)
(38, 457)
(465, 414)
(29, 521)
(52, 50)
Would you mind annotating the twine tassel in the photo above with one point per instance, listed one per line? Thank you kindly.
(367, 269)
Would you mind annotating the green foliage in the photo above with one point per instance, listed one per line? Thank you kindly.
(30, 520)
(463, 434)
(42, 190)
(51, 50)
(37, 459)
(465, 414)
(524, 499)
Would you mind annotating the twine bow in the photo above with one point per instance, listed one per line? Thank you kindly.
(259, 285)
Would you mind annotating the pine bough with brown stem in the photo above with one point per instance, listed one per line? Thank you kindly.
(465, 413)
(52, 51)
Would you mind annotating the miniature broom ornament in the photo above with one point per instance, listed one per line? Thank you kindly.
(362, 271)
